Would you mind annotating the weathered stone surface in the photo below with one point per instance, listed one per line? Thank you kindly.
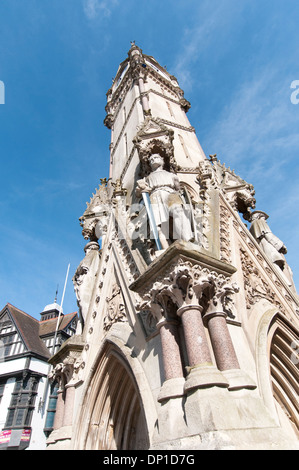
(192, 346)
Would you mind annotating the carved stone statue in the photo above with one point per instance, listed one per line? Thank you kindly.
(272, 246)
(166, 201)
(84, 278)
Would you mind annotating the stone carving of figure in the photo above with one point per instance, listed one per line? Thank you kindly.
(84, 278)
(272, 246)
(166, 201)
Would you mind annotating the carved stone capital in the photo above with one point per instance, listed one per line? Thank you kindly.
(108, 121)
(183, 276)
(119, 190)
(63, 372)
(185, 105)
(67, 362)
(205, 174)
(219, 293)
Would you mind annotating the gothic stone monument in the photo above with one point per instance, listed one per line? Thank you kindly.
(188, 334)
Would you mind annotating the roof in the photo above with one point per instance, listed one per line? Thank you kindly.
(54, 306)
(31, 329)
(28, 328)
(47, 327)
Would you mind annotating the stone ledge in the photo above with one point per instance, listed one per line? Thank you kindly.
(185, 250)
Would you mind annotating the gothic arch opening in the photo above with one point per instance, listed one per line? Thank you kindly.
(117, 420)
(283, 351)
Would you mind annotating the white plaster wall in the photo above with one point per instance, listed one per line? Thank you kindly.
(38, 438)
(12, 366)
(39, 366)
(5, 402)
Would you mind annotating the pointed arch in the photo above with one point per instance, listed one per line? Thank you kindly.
(284, 371)
(113, 413)
(277, 366)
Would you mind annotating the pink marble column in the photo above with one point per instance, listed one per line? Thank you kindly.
(68, 405)
(170, 350)
(58, 421)
(195, 338)
(223, 348)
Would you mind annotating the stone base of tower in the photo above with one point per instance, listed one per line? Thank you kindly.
(216, 418)
(60, 439)
(217, 405)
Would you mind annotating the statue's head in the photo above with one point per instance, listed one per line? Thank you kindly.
(156, 160)
(258, 215)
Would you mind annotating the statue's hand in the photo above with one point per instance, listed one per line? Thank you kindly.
(141, 187)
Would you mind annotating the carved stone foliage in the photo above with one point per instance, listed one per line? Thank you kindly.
(154, 137)
(116, 310)
(84, 278)
(256, 288)
(206, 176)
(137, 68)
(237, 191)
(95, 218)
(190, 284)
(225, 248)
(63, 372)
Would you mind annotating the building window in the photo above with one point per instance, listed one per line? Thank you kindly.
(183, 146)
(51, 409)
(11, 344)
(126, 144)
(170, 109)
(22, 403)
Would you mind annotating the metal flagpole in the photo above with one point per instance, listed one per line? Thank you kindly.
(60, 310)
(43, 400)
(149, 210)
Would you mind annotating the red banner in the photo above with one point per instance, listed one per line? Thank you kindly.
(26, 435)
(5, 436)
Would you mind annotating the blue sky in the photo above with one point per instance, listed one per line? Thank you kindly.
(235, 61)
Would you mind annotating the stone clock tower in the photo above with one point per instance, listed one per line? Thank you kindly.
(188, 336)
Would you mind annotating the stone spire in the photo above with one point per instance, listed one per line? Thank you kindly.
(180, 303)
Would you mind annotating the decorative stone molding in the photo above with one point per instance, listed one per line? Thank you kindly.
(225, 248)
(256, 288)
(262, 263)
(67, 363)
(237, 192)
(116, 310)
(118, 191)
(63, 372)
(83, 278)
(154, 137)
(188, 284)
(95, 218)
(197, 289)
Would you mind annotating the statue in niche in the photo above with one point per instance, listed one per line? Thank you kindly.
(168, 206)
(272, 246)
